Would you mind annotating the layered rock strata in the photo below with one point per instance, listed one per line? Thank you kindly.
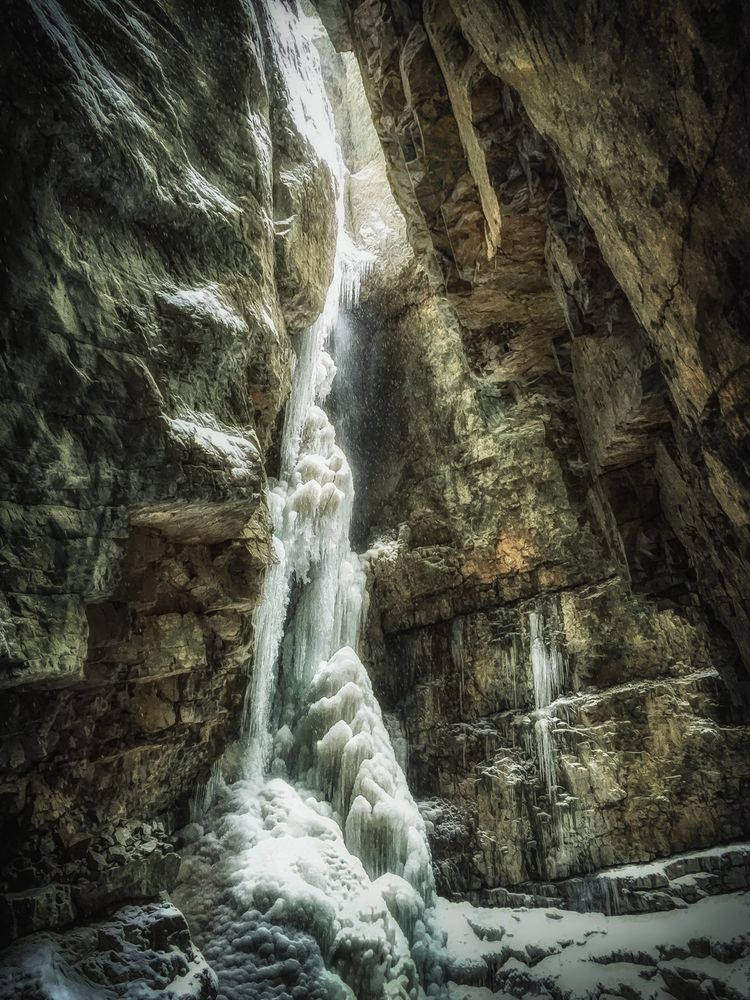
(628, 134)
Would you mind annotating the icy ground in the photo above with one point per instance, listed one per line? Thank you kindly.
(142, 952)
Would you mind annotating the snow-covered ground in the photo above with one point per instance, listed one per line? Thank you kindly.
(700, 951)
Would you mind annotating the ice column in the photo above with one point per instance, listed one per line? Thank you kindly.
(312, 502)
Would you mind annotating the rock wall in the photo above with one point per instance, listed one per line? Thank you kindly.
(154, 270)
(628, 137)
(559, 659)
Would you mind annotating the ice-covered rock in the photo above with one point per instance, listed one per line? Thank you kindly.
(139, 953)
(278, 898)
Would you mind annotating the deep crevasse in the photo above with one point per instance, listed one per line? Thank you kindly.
(310, 872)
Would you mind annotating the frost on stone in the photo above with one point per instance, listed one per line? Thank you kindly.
(207, 305)
(139, 953)
(237, 454)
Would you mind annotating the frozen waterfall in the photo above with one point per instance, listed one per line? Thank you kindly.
(546, 673)
(309, 873)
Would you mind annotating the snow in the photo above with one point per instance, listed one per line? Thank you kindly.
(239, 455)
(208, 304)
(137, 953)
(572, 955)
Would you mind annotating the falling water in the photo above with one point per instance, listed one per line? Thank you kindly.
(311, 504)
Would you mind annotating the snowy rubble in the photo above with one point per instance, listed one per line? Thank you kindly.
(139, 953)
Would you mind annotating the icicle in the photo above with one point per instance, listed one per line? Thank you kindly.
(546, 674)
(546, 666)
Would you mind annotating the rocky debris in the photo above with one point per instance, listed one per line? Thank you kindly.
(130, 861)
(137, 953)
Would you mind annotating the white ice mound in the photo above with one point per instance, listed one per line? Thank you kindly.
(344, 752)
(319, 498)
(273, 885)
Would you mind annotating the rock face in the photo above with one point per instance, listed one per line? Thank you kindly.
(154, 268)
(643, 187)
(140, 952)
(549, 627)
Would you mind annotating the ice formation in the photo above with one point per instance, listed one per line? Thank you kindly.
(307, 873)
(546, 675)
(343, 750)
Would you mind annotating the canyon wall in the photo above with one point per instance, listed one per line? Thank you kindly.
(558, 514)
(167, 231)
(545, 412)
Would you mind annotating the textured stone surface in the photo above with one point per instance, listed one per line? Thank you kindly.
(139, 952)
(654, 161)
(166, 228)
(488, 507)
(524, 447)
(612, 138)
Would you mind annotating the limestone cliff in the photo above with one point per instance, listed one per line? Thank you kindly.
(544, 624)
(153, 272)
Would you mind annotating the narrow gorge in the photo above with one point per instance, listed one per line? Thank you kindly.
(375, 609)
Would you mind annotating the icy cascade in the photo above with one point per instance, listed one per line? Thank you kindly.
(312, 502)
(546, 673)
(342, 749)
(314, 882)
